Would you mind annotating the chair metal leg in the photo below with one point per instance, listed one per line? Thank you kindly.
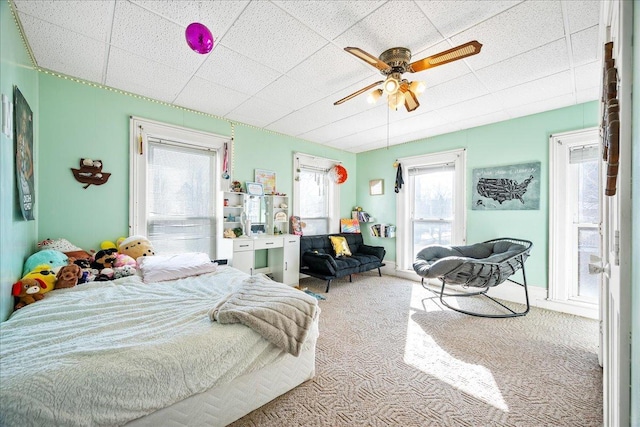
(328, 285)
(379, 272)
(511, 313)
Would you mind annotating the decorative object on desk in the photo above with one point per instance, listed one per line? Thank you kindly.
(510, 187)
(376, 187)
(90, 172)
(254, 189)
(267, 179)
(24, 153)
(349, 225)
(283, 206)
(280, 216)
(296, 225)
(199, 38)
(229, 234)
(237, 231)
(338, 174)
(236, 187)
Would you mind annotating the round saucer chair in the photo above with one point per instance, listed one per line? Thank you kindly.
(481, 265)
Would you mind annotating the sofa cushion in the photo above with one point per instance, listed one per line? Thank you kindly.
(340, 246)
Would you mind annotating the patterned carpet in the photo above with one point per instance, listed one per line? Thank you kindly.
(389, 355)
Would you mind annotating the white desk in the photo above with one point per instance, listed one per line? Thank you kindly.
(283, 255)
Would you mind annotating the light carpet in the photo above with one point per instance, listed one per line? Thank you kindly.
(390, 355)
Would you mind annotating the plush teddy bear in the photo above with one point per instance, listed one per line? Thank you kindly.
(27, 290)
(104, 259)
(136, 246)
(68, 276)
(51, 257)
(43, 273)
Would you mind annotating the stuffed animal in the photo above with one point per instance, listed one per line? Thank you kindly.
(124, 271)
(229, 234)
(136, 246)
(64, 246)
(122, 260)
(68, 276)
(45, 274)
(27, 291)
(104, 259)
(51, 257)
(105, 274)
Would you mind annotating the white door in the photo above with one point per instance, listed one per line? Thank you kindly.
(616, 244)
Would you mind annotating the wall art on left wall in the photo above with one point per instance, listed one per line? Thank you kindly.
(23, 125)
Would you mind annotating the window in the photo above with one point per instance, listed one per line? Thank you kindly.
(316, 199)
(431, 206)
(174, 189)
(575, 234)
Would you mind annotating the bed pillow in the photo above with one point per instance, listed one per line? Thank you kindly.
(159, 268)
(340, 246)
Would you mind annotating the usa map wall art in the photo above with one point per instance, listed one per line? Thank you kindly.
(510, 187)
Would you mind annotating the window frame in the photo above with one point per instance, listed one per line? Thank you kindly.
(140, 130)
(404, 206)
(333, 195)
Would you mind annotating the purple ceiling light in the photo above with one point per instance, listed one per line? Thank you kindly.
(199, 38)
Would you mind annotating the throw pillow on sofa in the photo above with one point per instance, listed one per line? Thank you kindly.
(340, 246)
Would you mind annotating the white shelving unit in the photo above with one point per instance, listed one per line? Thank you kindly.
(233, 209)
(277, 215)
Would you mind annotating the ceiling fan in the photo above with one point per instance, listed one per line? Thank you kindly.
(394, 62)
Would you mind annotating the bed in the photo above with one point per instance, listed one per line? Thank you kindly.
(126, 352)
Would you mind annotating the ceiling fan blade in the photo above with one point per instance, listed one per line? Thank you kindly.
(368, 58)
(458, 52)
(354, 94)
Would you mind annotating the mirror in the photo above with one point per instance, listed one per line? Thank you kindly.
(376, 187)
(256, 214)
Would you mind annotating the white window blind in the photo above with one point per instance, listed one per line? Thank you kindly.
(584, 154)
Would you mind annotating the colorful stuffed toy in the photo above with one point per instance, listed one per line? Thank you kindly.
(104, 259)
(68, 276)
(27, 291)
(124, 271)
(136, 246)
(122, 260)
(45, 274)
(51, 257)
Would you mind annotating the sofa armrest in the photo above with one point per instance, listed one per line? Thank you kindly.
(377, 251)
(321, 263)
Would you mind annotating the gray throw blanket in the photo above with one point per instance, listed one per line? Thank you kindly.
(281, 314)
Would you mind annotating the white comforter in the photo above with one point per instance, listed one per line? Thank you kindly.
(108, 352)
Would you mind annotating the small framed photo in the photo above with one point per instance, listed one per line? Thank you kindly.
(376, 187)
(267, 179)
(254, 189)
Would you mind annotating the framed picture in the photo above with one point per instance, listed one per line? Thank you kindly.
(509, 187)
(267, 179)
(254, 189)
(376, 187)
(24, 153)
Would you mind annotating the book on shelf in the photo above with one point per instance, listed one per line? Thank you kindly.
(383, 230)
(361, 216)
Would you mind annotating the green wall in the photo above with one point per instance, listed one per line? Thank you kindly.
(85, 121)
(17, 236)
(520, 140)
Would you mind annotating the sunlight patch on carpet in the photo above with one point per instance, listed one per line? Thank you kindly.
(424, 353)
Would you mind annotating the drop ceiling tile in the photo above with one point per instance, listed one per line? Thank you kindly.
(587, 76)
(201, 95)
(480, 106)
(588, 95)
(485, 119)
(467, 13)
(329, 19)
(75, 55)
(541, 106)
(144, 77)
(349, 126)
(258, 112)
(416, 124)
(523, 27)
(270, 36)
(328, 70)
(396, 23)
(453, 92)
(294, 124)
(537, 91)
(584, 45)
(549, 59)
(582, 14)
(92, 19)
(146, 34)
(247, 76)
(290, 93)
(217, 15)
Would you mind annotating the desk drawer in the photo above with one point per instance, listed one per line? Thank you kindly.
(240, 245)
(267, 243)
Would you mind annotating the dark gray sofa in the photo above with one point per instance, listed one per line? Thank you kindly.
(318, 259)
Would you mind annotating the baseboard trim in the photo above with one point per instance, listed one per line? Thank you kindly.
(514, 293)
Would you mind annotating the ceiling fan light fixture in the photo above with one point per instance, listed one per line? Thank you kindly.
(374, 96)
(417, 87)
(391, 85)
(396, 100)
